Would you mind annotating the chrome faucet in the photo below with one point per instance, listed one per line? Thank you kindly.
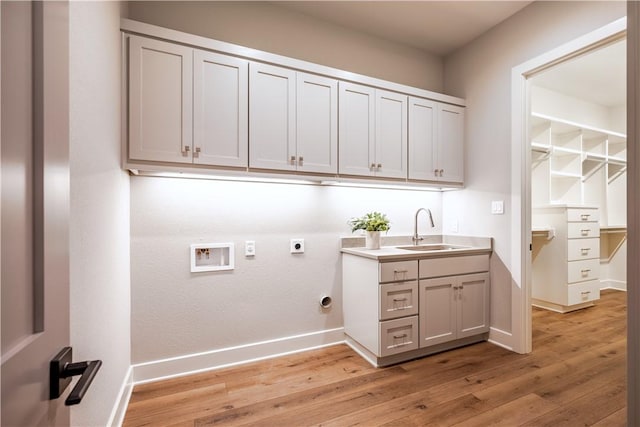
(416, 237)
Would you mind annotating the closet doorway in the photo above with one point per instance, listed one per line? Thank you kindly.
(578, 143)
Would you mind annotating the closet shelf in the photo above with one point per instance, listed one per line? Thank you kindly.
(544, 231)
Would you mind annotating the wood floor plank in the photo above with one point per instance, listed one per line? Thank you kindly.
(514, 413)
(574, 376)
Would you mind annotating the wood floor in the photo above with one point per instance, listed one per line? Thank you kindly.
(575, 376)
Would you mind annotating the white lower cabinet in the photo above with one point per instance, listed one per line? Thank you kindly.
(390, 315)
(453, 307)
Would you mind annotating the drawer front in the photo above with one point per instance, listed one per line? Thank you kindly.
(398, 300)
(581, 271)
(398, 335)
(437, 267)
(583, 215)
(576, 230)
(583, 249)
(584, 292)
(398, 271)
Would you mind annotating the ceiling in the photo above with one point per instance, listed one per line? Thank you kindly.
(598, 77)
(437, 27)
(442, 27)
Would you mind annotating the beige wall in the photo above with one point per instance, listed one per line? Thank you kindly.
(481, 73)
(275, 29)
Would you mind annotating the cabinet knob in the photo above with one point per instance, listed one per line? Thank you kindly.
(441, 171)
(372, 167)
(185, 150)
(292, 160)
(379, 166)
(300, 160)
(196, 152)
(435, 172)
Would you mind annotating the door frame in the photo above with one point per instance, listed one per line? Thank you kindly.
(521, 170)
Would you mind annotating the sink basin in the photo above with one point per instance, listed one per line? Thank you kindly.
(432, 247)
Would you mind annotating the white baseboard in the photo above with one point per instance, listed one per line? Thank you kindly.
(501, 338)
(618, 285)
(225, 357)
(120, 409)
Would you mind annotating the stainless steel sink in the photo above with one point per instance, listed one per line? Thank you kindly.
(432, 247)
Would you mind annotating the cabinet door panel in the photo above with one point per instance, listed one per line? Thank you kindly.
(271, 117)
(437, 311)
(220, 128)
(391, 135)
(317, 124)
(450, 156)
(356, 129)
(160, 101)
(473, 302)
(422, 139)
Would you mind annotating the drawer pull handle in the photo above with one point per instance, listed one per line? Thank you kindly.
(585, 271)
(585, 292)
(585, 250)
(585, 217)
(399, 299)
(397, 337)
(400, 271)
(584, 231)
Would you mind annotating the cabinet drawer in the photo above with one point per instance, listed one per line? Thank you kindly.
(398, 299)
(584, 292)
(581, 271)
(577, 230)
(583, 215)
(398, 335)
(583, 249)
(398, 271)
(437, 267)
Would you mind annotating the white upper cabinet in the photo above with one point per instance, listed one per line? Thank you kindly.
(356, 129)
(317, 124)
(272, 117)
(391, 135)
(373, 132)
(436, 141)
(293, 120)
(220, 122)
(160, 101)
(450, 153)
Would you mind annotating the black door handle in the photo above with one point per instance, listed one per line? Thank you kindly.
(61, 370)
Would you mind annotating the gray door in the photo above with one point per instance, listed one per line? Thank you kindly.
(35, 208)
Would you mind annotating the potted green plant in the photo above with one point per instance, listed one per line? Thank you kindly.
(372, 223)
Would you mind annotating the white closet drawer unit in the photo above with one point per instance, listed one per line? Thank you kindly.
(578, 249)
(583, 215)
(400, 271)
(584, 292)
(578, 230)
(398, 335)
(398, 300)
(581, 271)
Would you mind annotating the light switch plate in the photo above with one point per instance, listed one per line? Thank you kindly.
(497, 207)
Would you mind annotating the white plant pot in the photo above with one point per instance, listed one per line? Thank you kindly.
(372, 240)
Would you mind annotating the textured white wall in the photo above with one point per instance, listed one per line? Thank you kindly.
(275, 295)
(99, 228)
(481, 73)
(268, 27)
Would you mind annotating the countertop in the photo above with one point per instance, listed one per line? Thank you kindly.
(389, 250)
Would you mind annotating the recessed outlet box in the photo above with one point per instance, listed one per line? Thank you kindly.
(212, 257)
(297, 246)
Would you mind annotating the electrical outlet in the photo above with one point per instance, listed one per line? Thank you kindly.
(297, 246)
(250, 248)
